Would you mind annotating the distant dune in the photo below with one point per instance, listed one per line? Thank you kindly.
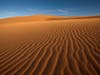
(50, 45)
(41, 17)
(29, 18)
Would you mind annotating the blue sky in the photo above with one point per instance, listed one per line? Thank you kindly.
(10, 8)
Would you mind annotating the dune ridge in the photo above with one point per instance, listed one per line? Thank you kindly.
(61, 47)
(41, 17)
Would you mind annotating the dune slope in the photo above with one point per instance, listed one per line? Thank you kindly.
(61, 47)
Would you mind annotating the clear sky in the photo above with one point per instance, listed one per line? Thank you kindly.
(10, 8)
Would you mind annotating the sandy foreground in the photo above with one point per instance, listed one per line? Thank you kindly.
(56, 47)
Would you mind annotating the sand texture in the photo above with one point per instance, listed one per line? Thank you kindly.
(55, 47)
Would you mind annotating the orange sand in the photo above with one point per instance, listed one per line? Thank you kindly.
(39, 45)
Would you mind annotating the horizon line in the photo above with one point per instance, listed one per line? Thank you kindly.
(50, 15)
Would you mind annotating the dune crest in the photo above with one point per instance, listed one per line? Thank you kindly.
(41, 17)
(32, 18)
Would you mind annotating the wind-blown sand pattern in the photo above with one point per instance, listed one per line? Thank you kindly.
(56, 47)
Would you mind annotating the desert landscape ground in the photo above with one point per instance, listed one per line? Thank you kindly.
(50, 45)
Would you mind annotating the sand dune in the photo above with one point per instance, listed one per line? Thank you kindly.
(39, 17)
(60, 47)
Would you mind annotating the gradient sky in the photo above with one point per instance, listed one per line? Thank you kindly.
(10, 8)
